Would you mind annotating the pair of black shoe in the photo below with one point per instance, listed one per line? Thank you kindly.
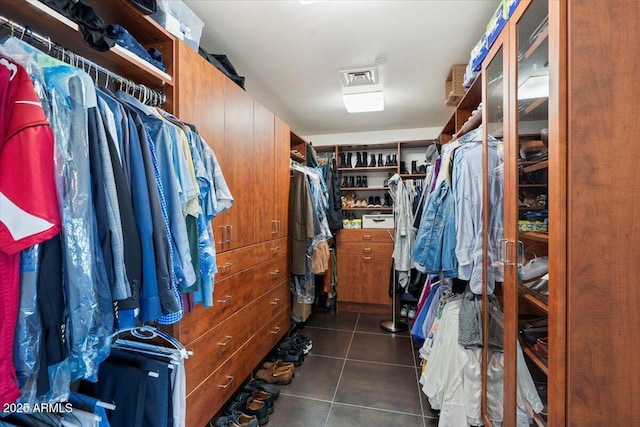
(292, 349)
(258, 403)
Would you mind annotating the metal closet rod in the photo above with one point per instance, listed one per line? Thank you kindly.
(148, 94)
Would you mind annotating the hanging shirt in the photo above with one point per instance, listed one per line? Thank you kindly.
(26, 169)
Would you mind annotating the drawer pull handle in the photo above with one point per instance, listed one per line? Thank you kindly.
(275, 249)
(366, 258)
(276, 301)
(366, 237)
(228, 382)
(227, 341)
(275, 272)
(367, 250)
(226, 300)
(276, 330)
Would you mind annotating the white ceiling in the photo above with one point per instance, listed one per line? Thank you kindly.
(291, 55)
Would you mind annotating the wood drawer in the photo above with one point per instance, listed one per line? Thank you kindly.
(271, 249)
(229, 296)
(268, 274)
(365, 249)
(207, 399)
(269, 304)
(214, 347)
(269, 335)
(365, 235)
(232, 262)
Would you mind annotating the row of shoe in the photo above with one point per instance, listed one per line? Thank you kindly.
(291, 349)
(350, 182)
(363, 160)
(371, 202)
(250, 407)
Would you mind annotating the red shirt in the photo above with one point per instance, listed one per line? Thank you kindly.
(29, 211)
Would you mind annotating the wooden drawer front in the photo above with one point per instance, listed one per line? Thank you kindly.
(271, 249)
(214, 347)
(232, 262)
(365, 249)
(268, 274)
(364, 279)
(271, 303)
(206, 400)
(365, 235)
(229, 296)
(269, 335)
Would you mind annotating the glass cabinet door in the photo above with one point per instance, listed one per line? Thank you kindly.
(528, 140)
(495, 120)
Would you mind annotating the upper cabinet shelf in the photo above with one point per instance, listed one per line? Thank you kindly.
(47, 22)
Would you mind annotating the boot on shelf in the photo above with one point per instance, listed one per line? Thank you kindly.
(371, 202)
(359, 159)
(364, 159)
(414, 167)
(358, 181)
(345, 182)
(403, 168)
(380, 162)
(348, 164)
(364, 181)
(372, 163)
(351, 185)
(388, 161)
(394, 160)
(387, 200)
(376, 202)
(343, 160)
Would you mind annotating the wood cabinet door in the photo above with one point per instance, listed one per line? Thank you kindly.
(239, 165)
(282, 146)
(263, 172)
(364, 278)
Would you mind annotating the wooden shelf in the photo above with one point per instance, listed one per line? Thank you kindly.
(47, 22)
(472, 123)
(367, 169)
(534, 235)
(541, 362)
(363, 188)
(383, 208)
(537, 300)
(297, 157)
(536, 166)
(413, 176)
(533, 185)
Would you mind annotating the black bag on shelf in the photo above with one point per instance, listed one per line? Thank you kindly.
(148, 7)
(222, 63)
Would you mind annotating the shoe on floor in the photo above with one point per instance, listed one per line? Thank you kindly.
(257, 384)
(237, 419)
(275, 376)
(266, 398)
(404, 311)
(411, 313)
(279, 364)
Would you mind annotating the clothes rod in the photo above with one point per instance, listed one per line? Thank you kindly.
(24, 32)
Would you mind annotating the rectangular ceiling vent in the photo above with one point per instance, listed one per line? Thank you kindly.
(360, 77)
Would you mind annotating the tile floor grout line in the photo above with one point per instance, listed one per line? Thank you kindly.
(391, 411)
(398, 365)
(335, 393)
(328, 329)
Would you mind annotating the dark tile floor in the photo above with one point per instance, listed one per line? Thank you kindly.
(355, 375)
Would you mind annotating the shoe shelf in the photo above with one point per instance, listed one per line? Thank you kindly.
(534, 298)
(532, 185)
(539, 360)
(363, 188)
(413, 176)
(297, 157)
(374, 208)
(535, 236)
(368, 169)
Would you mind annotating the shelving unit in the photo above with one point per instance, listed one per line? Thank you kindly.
(64, 32)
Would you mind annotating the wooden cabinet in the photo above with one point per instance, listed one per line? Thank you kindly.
(576, 50)
(364, 265)
(252, 307)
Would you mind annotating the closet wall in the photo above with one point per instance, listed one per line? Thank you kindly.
(251, 296)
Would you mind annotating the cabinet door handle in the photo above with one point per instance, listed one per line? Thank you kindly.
(224, 236)
(275, 273)
(276, 301)
(226, 300)
(276, 330)
(275, 250)
(274, 227)
(279, 226)
(366, 259)
(366, 237)
(230, 378)
(367, 250)
(230, 233)
(227, 341)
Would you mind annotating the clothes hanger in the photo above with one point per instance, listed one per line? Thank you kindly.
(148, 333)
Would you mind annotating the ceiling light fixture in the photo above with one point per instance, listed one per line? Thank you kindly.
(364, 101)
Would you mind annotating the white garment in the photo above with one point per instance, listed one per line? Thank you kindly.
(404, 235)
